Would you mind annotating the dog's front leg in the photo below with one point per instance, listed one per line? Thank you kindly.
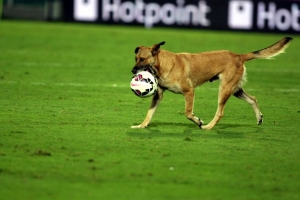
(189, 107)
(154, 104)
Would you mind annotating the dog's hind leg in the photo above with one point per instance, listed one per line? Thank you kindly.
(189, 107)
(154, 104)
(241, 94)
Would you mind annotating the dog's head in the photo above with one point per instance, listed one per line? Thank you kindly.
(145, 58)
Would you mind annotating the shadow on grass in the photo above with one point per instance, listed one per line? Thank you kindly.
(182, 129)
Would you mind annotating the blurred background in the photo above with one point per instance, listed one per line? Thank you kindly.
(279, 16)
(32, 9)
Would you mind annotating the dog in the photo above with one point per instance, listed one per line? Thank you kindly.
(182, 72)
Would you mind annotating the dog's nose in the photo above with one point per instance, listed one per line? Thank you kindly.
(134, 70)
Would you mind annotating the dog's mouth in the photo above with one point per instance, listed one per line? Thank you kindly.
(150, 70)
(146, 68)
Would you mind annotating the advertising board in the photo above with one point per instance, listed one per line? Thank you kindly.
(248, 15)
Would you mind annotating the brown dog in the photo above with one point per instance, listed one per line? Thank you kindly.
(183, 72)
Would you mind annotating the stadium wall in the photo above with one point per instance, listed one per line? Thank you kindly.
(243, 15)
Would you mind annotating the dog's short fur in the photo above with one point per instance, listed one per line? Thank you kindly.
(182, 72)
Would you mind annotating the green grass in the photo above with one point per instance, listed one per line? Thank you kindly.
(66, 110)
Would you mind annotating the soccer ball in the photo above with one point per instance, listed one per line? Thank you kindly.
(143, 84)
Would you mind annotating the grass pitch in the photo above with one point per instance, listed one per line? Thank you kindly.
(66, 110)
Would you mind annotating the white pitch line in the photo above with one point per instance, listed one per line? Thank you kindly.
(69, 84)
(32, 64)
(55, 65)
(287, 90)
(37, 83)
(274, 70)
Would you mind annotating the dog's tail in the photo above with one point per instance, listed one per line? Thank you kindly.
(269, 52)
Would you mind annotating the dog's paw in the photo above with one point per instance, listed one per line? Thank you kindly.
(260, 121)
(200, 123)
(138, 126)
(207, 127)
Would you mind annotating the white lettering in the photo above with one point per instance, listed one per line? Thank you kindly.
(190, 14)
(282, 19)
(127, 12)
(108, 8)
(203, 11)
(152, 13)
(168, 14)
(264, 15)
(295, 17)
(139, 11)
(180, 12)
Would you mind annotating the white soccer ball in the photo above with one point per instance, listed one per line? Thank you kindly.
(143, 84)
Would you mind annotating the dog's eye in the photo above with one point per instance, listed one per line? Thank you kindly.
(142, 59)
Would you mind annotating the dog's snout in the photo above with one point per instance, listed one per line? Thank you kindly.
(134, 70)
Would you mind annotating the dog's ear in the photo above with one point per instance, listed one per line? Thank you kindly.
(136, 50)
(155, 48)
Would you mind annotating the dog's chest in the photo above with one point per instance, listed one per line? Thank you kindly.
(172, 86)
